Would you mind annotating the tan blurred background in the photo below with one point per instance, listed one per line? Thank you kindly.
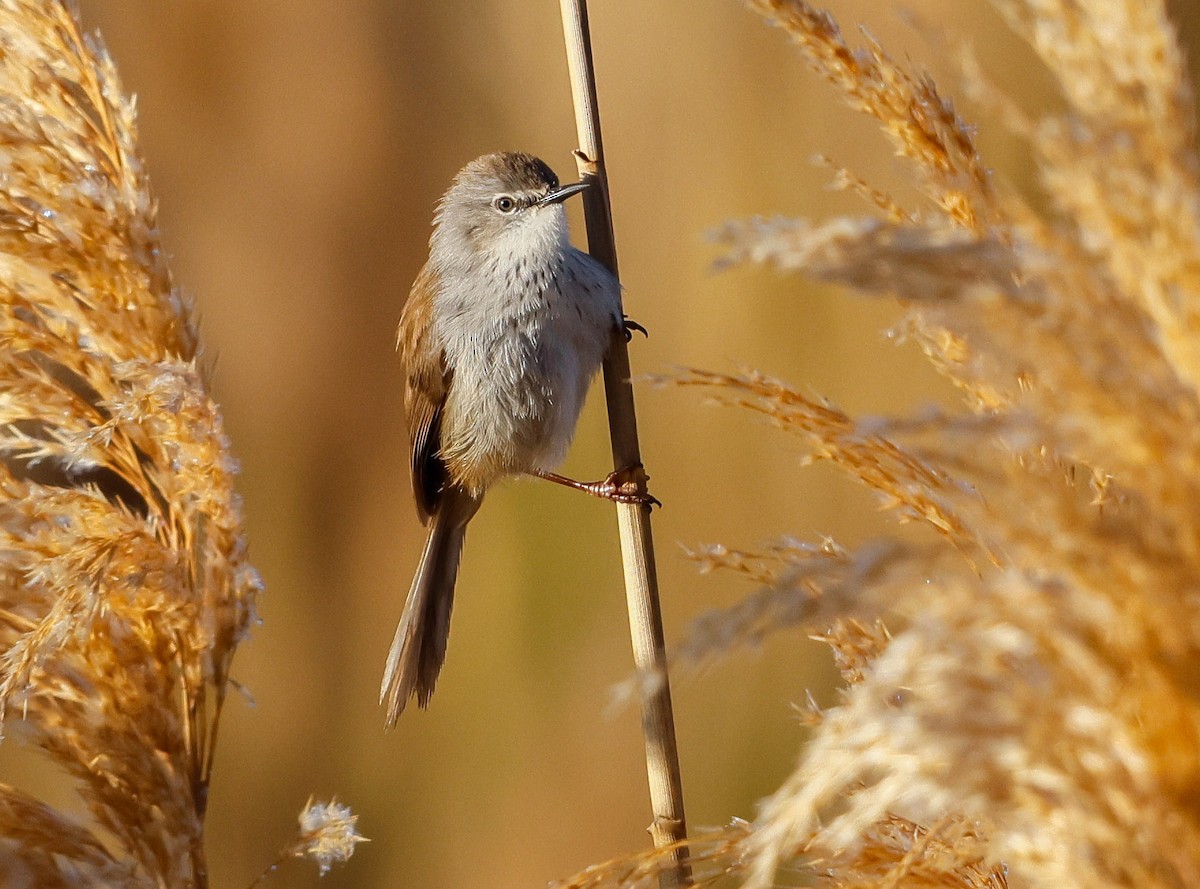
(298, 148)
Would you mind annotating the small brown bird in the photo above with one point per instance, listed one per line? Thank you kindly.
(503, 330)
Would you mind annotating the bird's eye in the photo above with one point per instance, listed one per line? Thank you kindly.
(505, 204)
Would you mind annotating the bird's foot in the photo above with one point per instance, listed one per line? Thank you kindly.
(626, 485)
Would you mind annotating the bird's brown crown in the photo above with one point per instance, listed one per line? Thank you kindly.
(514, 170)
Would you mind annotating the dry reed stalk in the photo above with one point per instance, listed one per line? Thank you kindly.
(124, 582)
(669, 827)
(1021, 700)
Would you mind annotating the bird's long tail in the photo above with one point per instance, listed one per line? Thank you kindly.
(419, 647)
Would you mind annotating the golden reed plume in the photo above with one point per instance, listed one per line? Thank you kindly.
(1022, 704)
(124, 582)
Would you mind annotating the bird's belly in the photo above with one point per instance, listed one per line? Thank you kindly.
(514, 409)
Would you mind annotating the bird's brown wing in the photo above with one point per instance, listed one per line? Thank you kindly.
(426, 381)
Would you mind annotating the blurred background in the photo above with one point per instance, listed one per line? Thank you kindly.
(297, 149)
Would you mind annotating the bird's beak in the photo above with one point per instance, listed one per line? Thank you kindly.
(558, 195)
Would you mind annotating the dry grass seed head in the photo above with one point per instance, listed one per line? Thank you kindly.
(1043, 704)
(124, 582)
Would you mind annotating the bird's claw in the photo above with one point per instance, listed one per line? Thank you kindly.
(628, 326)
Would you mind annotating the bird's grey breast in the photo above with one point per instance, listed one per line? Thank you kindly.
(523, 339)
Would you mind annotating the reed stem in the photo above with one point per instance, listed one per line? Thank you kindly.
(669, 828)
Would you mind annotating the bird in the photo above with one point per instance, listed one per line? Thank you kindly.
(503, 330)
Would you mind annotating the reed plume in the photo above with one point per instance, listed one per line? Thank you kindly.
(1021, 703)
(125, 586)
